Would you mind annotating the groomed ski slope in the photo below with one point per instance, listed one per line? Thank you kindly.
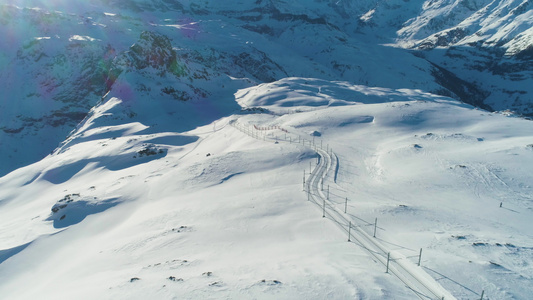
(212, 213)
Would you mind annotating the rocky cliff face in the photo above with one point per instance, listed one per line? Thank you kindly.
(152, 50)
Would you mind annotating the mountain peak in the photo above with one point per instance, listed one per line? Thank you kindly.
(155, 50)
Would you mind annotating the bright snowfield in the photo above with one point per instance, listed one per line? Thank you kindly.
(122, 211)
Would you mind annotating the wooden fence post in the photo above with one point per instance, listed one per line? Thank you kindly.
(375, 226)
(388, 259)
(346, 205)
(349, 231)
(304, 181)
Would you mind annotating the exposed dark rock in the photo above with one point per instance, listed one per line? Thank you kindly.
(149, 150)
(12, 130)
(177, 95)
(57, 207)
(153, 50)
(172, 278)
(526, 54)
(259, 65)
(270, 282)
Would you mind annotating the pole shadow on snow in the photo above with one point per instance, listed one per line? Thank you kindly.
(393, 244)
(451, 280)
(515, 211)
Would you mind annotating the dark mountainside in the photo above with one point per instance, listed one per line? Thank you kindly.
(60, 61)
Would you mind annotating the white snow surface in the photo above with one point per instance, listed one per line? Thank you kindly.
(121, 211)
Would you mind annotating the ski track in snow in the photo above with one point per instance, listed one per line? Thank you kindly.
(416, 279)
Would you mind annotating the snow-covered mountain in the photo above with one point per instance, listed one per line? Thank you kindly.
(487, 43)
(176, 134)
(68, 50)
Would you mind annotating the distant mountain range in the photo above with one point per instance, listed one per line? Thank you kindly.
(61, 58)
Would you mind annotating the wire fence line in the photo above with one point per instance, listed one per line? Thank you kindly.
(415, 278)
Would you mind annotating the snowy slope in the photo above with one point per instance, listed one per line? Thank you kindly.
(149, 149)
(122, 211)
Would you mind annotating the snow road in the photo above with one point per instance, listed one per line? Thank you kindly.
(416, 279)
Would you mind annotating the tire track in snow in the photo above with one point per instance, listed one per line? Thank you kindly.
(415, 278)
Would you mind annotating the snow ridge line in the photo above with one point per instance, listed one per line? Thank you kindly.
(416, 279)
